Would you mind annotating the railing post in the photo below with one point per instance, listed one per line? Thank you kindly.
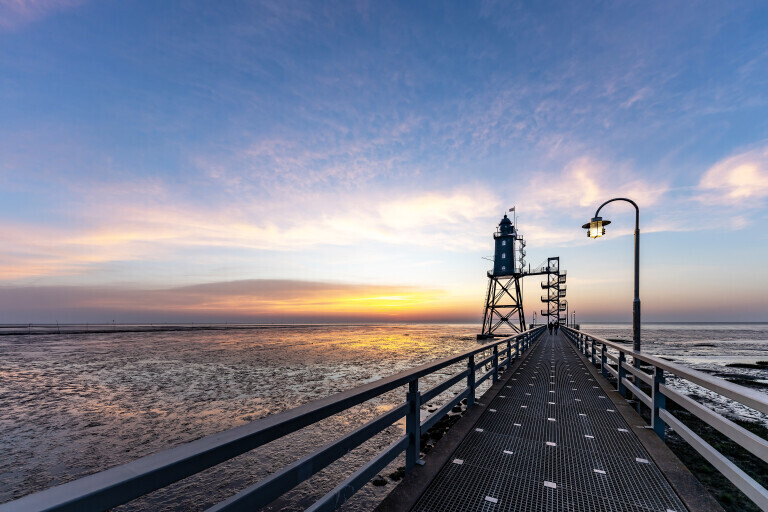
(604, 360)
(517, 349)
(622, 373)
(471, 381)
(509, 355)
(659, 402)
(495, 363)
(594, 363)
(413, 425)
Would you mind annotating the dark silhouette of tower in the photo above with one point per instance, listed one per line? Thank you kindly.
(503, 314)
(504, 300)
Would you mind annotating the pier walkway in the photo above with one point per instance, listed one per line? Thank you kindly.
(551, 439)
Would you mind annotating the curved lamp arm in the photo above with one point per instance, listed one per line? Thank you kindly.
(637, 209)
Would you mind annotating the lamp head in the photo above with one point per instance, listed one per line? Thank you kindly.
(596, 227)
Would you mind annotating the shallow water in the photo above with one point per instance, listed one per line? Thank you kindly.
(700, 345)
(707, 347)
(75, 404)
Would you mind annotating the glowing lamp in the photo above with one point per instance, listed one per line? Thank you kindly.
(596, 227)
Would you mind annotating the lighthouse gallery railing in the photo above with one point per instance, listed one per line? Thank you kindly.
(124, 483)
(602, 353)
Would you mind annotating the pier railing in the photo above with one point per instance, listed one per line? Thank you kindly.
(630, 372)
(124, 483)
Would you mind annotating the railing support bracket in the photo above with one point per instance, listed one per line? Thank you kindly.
(413, 425)
(659, 402)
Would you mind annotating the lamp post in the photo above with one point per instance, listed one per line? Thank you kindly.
(595, 229)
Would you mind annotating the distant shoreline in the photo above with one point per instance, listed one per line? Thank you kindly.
(97, 328)
(16, 329)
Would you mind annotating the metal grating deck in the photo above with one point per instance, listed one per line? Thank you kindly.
(549, 441)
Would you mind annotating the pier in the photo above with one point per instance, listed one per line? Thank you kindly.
(553, 437)
(557, 430)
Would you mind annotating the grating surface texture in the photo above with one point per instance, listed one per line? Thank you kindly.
(550, 441)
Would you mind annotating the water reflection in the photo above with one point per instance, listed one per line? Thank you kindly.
(75, 404)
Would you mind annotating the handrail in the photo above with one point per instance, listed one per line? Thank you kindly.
(746, 396)
(120, 484)
(661, 416)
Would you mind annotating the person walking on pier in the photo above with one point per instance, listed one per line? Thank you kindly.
(549, 326)
(557, 324)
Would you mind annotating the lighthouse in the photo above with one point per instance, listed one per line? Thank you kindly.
(504, 300)
(503, 314)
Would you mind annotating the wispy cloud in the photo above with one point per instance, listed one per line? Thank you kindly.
(17, 13)
(640, 95)
(581, 186)
(740, 180)
(132, 226)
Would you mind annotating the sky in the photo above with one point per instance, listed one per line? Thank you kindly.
(290, 161)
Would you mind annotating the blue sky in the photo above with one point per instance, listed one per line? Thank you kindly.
(366, 151)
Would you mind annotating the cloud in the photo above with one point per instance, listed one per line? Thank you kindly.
(579, 188)
(129, 225)
(150, 223)
(587, 182)
(640, 95)
(245, 300)
(739, 180)
(17, 13)
(281, 163)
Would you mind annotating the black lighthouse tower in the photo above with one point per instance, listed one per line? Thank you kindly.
(504, 301)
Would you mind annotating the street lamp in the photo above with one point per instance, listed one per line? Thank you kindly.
(595, 229)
